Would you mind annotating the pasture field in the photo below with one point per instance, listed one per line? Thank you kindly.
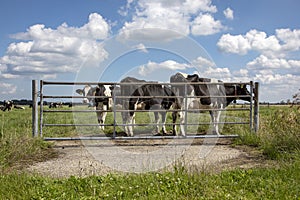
(278, 140)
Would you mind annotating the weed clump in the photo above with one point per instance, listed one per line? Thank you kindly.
(279, 133)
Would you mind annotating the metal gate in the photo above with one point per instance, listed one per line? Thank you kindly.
(38, 111)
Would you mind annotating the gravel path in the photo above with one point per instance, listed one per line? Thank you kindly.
(102, 157)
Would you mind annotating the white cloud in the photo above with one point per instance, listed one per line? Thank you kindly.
(241, 72)
(49, 51)
(253, 40)
(274, 65)
(7, 88)
(2, 68)
(260, 42)
(141, 47)
(206, 25)
(263, 61)
(223, 74)
(194, 6)
(277, 79)
(169, 65)
(283, 42)
(96, 29)
(234, 44)
(203, 63)
(228, 13)
(289, 38)
(173, 15)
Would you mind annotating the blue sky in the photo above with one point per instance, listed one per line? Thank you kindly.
(106, 40)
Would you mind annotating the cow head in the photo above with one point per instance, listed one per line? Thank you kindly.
(87, 92)
(100, 93)
(242, 90)
(180, 89)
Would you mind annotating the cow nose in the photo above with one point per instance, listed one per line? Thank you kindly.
(85, 101)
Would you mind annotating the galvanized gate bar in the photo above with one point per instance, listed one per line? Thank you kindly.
(141, 83)
(140, 137)
(145, 124)
(116, 110)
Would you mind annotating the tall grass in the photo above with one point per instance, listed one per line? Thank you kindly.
(17, 146)
(279, 132)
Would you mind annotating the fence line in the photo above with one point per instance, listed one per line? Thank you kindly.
(253, 113)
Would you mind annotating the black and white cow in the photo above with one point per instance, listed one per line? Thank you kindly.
(100, 98)
(56, 105)
(206, 96)
(154, 97)
(8, 105)
(147, 96)
(127, 87)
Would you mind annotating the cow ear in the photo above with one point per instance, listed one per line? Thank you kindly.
(79, 91)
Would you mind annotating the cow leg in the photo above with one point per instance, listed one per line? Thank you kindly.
(174, 118)
(156, 117)
(163, 119)
(130, 127)
(182, 122)
(100, 119)
(101, 114)
(218, 115)
(104, 116)
(125, 116)
(128, 121)
(215, 116)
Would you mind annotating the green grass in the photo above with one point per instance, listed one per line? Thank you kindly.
(18, 148)
(279, 133)
(278, 139)
(272, 183)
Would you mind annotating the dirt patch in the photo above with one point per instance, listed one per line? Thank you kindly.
(102, 157)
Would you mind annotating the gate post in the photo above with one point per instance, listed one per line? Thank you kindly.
(251, 105)
(34, 108)
(256, 107)
(41, 108)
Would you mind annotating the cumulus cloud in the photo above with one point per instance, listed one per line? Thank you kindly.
(284, 41)
(141, 47)
(178, 16)
(47, 51)
(203, 63)
(272, 65)
(289, 38)
(234, 44)
(169, 65)
(228, 13)
(7, 88)
(275, 66)
(206, 25)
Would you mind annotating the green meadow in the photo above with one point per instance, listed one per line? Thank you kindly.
(277, 141)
